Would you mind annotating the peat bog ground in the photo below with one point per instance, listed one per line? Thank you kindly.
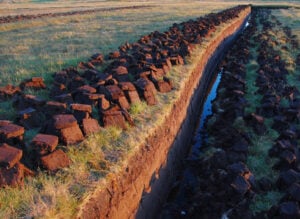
(249, 165)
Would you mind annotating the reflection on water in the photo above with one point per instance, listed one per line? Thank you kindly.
(200, 133)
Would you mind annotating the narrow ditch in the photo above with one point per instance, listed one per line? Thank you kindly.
(152, 202)
(244, 162)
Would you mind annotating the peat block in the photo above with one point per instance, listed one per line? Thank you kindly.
(4, 122)
(13, 176)
(163, 86)
(113, 118)
(54, 107)
(29, 118)
(102, 102)
(90, 126)
(9, 91)
(289, 210)
(11, 131)
(57, 89)
(114, 91)
(86, 89)
(9, 156)
(44, 144)
(130, 92)
(27, 100)
(81, 107)
(287, 178)
(240, 185)
(71, 135)
(81, 111)
(127, 86)
(55, 161)
(64, 121)
(36, 83)
(147, 90)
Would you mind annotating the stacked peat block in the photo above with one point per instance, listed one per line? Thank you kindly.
(273, 85)
(130, 92)
(81, 111)
(11, 134)
(113, 116)
(35, 83)
(147, 90)
(54, 107)
(46, 154)
(90, 126)
(25, 101)
(65, 126)
(11, 170)
(9, 91)
(116, 95)
(29, 118)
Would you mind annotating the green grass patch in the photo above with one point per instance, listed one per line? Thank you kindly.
(258, 159)
(7, 111)
(263, 202)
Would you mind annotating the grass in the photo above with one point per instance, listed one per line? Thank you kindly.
(44, 46)
(137, 108)
(265, 201)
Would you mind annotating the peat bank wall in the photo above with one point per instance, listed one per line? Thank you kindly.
(140, 189)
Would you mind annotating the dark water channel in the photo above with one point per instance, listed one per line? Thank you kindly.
(200, 133)
(176, 200)
(177, 203)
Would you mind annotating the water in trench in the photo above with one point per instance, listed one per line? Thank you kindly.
(200, 134)
(183, 187)
(176, 200)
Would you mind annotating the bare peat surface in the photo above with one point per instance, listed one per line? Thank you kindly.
(22, 17)
(235, 173)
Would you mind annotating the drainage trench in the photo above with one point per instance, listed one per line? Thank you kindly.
(165, 188)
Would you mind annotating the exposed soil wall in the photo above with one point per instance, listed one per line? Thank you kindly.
(140, 189)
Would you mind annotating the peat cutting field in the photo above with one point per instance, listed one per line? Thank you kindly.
(95, 96)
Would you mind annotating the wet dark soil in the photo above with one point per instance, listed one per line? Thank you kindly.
(221, 182)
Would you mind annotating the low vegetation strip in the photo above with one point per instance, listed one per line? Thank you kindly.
(17, 18)
(69, 117)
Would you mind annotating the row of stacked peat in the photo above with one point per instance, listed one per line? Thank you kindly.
(273, 85)
(223, 185)
(24, 17)
(136, 71)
